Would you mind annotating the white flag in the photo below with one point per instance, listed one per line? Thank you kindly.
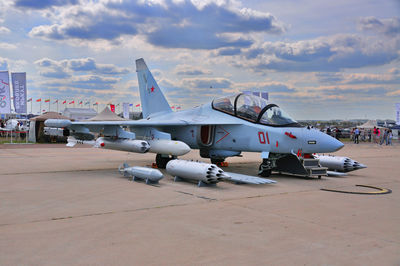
(5, 99)
(19, 92)
(125, 108)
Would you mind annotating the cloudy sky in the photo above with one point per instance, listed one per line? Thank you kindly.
(317, 59)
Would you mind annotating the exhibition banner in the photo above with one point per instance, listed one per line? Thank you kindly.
(19, 92)
(397, 113)
(5, 99)
(125, 108)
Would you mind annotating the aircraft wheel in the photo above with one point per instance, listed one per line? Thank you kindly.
(217, 161)
(263, 171)
(162, 161)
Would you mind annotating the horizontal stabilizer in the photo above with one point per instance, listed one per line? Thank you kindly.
(247, 179)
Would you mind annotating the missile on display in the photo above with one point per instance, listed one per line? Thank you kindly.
(150, 175)
(71, 142)
(339, 163)
(204, 173)
(131, 145)
(170, 147)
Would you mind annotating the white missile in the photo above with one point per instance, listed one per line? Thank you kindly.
(150, 175)
(71, 141)
(168, 147)
(131, 145)
(204, 173)
(339, 163)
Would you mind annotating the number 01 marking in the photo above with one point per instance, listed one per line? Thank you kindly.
(261, 137)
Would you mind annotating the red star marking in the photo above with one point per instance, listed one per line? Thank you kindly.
(152, 89)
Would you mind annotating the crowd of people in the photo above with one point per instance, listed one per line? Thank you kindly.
(376, 135)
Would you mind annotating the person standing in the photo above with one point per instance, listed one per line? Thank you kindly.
(378, 135)
(356, 135)
(390, 137)
(384, 136)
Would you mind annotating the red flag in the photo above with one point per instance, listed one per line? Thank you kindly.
(173, 107)
(64, 101)
(39, 100)
(47, 101)
(80, 102)
(96, 103)
(112, 107)
(137, 105)
(72, 102)
(178, 107)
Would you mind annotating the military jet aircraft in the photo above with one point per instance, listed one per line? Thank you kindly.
(223, 128)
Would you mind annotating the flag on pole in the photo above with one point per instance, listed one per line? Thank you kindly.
(173, 107)
(137, 105)
(72, 102)
(96, 103)
(64, 102)
(5, 104)
(47, 100)
(87, 103)
(178, 107)
(29, 100)
(80, 102)
(39, 100)
(56, 101)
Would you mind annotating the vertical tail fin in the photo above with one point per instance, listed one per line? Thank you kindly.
(151, 97)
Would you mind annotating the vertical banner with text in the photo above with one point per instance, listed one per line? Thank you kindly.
(125, 109)
(5, 99)
(397, 113)
(19, 92)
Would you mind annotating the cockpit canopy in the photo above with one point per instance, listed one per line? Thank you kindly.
(254, 109)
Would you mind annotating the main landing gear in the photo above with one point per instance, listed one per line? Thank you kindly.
(265, 168)
(162, 160)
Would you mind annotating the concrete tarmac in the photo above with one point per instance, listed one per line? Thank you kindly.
(70, 206)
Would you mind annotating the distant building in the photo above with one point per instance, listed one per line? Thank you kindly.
(79, 114)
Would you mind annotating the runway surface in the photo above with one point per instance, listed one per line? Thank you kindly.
(70, 206)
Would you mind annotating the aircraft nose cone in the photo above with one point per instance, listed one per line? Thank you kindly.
(337, 145)
(330, 144)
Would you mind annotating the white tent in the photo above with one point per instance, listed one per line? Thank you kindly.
(370, 124)
(106, 115)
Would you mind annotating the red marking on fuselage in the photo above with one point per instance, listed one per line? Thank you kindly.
(227, 133)
(266, 133)
(260, 133)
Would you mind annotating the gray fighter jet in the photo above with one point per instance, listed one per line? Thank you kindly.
(223, 128)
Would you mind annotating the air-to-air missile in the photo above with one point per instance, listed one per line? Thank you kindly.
(339, 164)
(131, 145)
(150, 175)
(170, 147)
(204, 173)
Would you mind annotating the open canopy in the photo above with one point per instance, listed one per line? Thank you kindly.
(254, 109)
